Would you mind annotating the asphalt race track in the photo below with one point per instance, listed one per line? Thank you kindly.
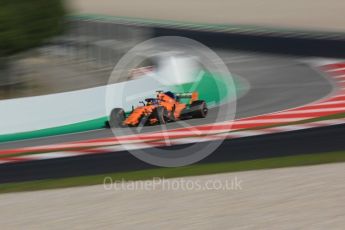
(275, 83)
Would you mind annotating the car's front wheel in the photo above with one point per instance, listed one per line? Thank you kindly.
(117, 116)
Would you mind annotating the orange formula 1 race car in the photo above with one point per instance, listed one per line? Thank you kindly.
(166, 107)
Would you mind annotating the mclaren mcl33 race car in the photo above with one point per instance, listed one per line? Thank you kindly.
(166, 107)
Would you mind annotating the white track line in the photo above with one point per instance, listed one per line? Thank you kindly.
(334, 70)
(331, 103)
(270, 120)
(53, 155)
(314, 110)
(339, 76)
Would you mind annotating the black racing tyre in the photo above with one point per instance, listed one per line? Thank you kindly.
(185, 114)
(198, 109)
(117, 116)
(159, 113)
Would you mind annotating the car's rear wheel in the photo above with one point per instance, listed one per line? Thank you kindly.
(159, 113)
(117, 116)
(198, 109)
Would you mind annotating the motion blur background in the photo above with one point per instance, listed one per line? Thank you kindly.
(44, 51)
(59, 46)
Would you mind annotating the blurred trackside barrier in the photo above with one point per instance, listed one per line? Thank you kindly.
(249, 38)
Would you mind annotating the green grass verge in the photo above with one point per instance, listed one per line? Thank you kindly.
(192, 170)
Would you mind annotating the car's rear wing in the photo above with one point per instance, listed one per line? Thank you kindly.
(192, 95)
